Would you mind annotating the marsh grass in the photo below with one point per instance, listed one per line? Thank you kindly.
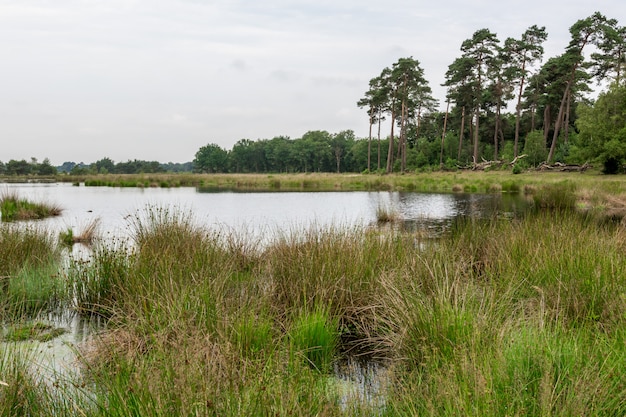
(385, 214)
(519, 316)
(29, 270)
(37, 331)
(32, 289)
(22, 392)
(14, 208)
(25, 246)
(314, 335)
(558, 196)
(514, 322)
(87, 234)
(94, 285)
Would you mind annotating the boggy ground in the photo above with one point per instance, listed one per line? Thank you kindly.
(497, 317)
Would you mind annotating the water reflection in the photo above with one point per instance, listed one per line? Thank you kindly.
(435, 213)
(259, 214)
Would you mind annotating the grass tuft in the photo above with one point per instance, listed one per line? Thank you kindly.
(14, 208)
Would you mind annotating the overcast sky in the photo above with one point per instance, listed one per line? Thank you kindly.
(157, 79)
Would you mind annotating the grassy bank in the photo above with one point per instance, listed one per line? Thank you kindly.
(522, 317)
(467, 181)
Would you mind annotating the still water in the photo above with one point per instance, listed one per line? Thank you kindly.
(259, 213)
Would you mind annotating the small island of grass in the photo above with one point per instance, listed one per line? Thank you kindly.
(15, 208)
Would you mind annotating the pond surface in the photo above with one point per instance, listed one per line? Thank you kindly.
(259, 213)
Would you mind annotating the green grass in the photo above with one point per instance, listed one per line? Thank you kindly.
(38, 331)
(314, 337)
(30, 280)
(13, 208)
(495, 317)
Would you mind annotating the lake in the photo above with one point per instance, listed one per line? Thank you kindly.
(262, 214)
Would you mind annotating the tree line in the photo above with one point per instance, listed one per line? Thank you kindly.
(103, 166)
(552, 119)
(488, 76)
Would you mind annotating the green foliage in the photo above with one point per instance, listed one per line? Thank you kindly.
(535, 148)
(211, 158)
(67, 237)
(38, 331)
(34, 289)
(602, 130)
(253, 334)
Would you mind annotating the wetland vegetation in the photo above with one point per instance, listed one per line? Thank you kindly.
(494, 317)
(13, 207)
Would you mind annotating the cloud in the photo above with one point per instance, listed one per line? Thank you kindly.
(157, 78)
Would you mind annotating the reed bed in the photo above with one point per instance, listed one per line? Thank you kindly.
(494, 317)
(464, 181)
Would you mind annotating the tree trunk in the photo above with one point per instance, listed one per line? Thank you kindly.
(495, 132)
(458, 158)
(547, 122)
(564, 99)
(518, 109)
(390, 151)
(369, 145)
(567, 112)
(443, 135)
(379, 115)
(557, 123)
(476, 134)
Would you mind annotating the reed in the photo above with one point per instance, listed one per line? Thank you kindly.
(94, 285)
(385, 214)
(87, 235)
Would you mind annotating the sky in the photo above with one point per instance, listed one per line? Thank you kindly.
(81, 80)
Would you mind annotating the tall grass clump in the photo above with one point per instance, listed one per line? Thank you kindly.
(337, 268)
(32, 290)
(253, 333)
(29, 261)
(87, 235)
(95, 285)
(23, 392)
(169, 242)
(387, 215)
(25, 246)
(13, 207)
(314, 337)
(557, 196)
